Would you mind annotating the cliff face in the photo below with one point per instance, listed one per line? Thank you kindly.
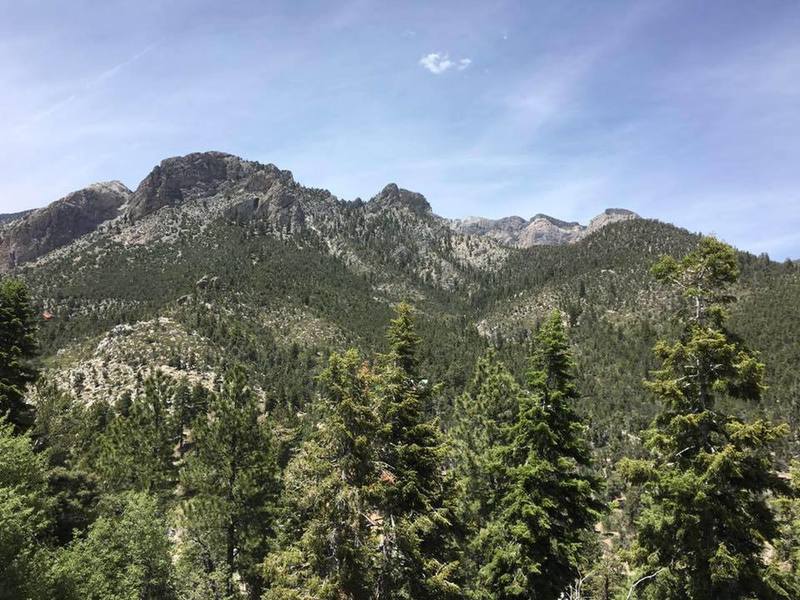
(38, 232)
(181, 178)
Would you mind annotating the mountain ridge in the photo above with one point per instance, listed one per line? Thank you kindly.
(541, 229)
(248, 190)
(238, 263)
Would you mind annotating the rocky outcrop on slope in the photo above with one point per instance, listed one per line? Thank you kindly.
(392, 196)
(38, 232)
(610, 215)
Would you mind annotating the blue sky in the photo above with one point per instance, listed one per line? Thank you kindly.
(684, 111)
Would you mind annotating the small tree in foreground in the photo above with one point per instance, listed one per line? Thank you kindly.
(126, 554)
(24, 516)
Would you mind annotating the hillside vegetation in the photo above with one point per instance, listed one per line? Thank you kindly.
(237, 386)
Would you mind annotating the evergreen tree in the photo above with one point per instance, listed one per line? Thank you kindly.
(331, 534)
(230, 485)
(539, 534)
(705, 520)
(57, 432)
(17, 348)
(24, 517)
(483, 412)
(125, 555)
(787, 546)
(138, 449)
(417, 500)
(189, 403)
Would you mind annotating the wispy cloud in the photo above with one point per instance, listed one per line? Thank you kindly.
(439, 62)
(85, 88)
(554, 84)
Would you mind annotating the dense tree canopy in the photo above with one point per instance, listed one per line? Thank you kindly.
(385, 471)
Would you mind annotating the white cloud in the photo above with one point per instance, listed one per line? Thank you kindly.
(439, 62)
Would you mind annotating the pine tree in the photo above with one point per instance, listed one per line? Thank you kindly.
(331, 536)
(24, 516)
(787, 546)
(484, 412)
(539, 534)
(486, 409)
(126, 554)
(137, 450)
(230, 485)
(705, 521)
(56, 433)
(417, 500)
(18, 347)
(189, 403)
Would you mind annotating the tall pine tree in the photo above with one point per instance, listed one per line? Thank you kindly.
(331, 531)
(418, 553)
(539, 534)
(705, 520)
(487, 408)
(483, 413)
(230, 484)
(138, 449)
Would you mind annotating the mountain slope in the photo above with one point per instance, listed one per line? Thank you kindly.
(214, 260)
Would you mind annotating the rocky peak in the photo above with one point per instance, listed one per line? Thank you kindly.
(392, 196)
(608, 216)
(60, 223)
(202, 174)
(546, 230)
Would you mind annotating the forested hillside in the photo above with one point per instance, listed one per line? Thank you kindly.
(237, 386)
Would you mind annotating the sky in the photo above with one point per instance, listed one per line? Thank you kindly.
(684, 111)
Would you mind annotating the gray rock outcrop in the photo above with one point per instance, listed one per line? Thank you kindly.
(540, 230)
(38, 232)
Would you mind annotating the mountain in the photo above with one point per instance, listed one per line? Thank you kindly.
(214, 184)
(539, 230)
(214, 260)
(6, 218)
(35, 233)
